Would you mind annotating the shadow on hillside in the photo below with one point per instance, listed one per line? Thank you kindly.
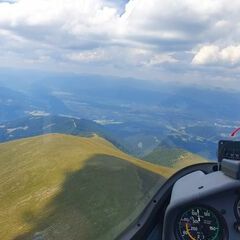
(98, 198)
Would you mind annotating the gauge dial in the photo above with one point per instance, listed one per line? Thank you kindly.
(199, 223)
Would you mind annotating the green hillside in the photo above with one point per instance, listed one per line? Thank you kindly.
(176, 158)
(67, 187)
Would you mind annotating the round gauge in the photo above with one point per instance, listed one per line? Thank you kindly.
(237, 209)
(199, 223)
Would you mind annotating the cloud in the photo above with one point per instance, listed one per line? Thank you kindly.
(163, 25)
(157, 36)
(95, 55)
(159, 59)
(213, 54)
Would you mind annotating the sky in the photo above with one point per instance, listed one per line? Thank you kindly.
(184, 41)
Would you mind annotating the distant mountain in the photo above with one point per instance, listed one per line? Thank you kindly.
(203, 147)
(137, 114)
(13, 104)
(137, 139)
(160, 100)
(198, 137)
(66, 187)
(41, 123)
(176, 158)
(18, 104)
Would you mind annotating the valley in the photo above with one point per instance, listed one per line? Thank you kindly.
(137, 116)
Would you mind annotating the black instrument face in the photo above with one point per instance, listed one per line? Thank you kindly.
(228, 150)
(199, 223)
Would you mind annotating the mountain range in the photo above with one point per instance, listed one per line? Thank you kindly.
(81, 156)
(139, 115)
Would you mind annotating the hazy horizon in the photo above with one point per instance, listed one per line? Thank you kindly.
(184, 42)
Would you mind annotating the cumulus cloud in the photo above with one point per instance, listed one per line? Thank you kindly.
(151, 34)
(213, 54)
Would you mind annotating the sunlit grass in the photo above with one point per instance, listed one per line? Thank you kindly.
(174, 158)
(60, 184)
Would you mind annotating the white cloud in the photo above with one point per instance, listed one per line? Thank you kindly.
(156, 23)
(151, 34)
(88, 56)
(213, 54)
(207, 54)
(162, 58)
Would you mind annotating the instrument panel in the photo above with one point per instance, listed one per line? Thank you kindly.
(203, 207)
(198, 203)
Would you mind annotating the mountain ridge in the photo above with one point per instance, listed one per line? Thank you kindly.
(44, 178)
(173, 157)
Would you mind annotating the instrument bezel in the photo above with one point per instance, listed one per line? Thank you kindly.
(222, 222)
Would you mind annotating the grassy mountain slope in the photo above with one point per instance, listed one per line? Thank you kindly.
(38, 125)
(176, 158)
(66, 187)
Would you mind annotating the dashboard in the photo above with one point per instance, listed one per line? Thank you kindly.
(198, 203)
(203, 207)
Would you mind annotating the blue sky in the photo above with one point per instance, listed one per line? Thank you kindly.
(184, 41)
